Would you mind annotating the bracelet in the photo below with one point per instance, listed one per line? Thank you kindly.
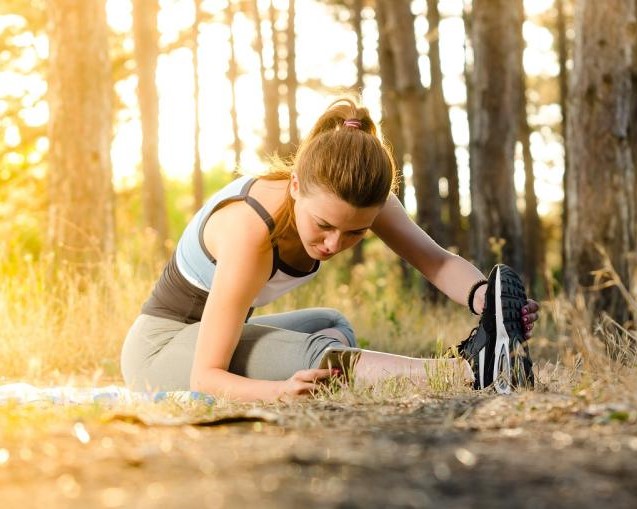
(472, 293)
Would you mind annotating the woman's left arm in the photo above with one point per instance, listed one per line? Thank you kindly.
(450, 273)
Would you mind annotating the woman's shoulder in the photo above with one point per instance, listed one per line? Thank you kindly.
(235, 226)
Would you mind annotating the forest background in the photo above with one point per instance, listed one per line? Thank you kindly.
(514, 124)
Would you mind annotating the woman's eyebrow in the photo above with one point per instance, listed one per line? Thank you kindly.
(327, 223)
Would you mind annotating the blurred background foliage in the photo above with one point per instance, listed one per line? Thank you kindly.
(118, 117)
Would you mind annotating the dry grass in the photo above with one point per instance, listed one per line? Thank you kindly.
(56, 324)
(60, 329)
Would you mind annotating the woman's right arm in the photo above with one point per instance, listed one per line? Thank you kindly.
(239, 242)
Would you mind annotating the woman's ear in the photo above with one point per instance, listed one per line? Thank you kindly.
(295, 187)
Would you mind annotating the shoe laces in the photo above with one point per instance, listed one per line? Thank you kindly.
(465, 342)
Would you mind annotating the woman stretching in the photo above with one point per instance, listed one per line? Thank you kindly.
(258, 238)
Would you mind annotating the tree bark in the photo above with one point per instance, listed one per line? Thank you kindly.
(496, 80)
(633, 124)
(276, 86)
(357, 25)
(440, 147)
(270, 86)
(290, 78)
(562, 54)
(391, 124)
(467, 73)
(146, 51)
(197, 175)
(81, 229)
(233, 71)
(411, 95)
(533, 238)
(357, 22)
(601, 174)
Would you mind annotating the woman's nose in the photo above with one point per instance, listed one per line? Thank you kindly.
(333, 241)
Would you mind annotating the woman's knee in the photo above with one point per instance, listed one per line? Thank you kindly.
(339, 322)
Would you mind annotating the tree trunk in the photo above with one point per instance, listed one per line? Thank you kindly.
(633, 123)
(533, 239)
(391, 124)
(291, 79)
(269, 85)
(601, 176)
(197, 175)
(496, 92)
(81, 228)
(357, 25)
(232, 78)
(146, 51)
(467, 73)
(401, 39)
(276, 86)
(440, 147)
(562, 53)
(357, 22)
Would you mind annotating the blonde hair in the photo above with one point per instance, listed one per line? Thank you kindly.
(343, 155)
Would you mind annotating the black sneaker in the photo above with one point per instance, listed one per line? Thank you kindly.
(496, 349)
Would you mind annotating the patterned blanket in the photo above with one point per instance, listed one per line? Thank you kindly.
(111, 394)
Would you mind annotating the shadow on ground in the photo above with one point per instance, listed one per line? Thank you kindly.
(528, 450)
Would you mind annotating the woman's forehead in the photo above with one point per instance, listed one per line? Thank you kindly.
(325, 205)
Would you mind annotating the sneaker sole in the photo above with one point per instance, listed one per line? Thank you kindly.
(509, 299)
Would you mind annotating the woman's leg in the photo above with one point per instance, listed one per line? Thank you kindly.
(326, 321)
(373, 367)
(158, 353)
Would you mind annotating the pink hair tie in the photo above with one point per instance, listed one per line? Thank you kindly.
(353, 122)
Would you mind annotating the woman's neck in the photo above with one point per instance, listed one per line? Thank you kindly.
(273, 194)
(292, 252)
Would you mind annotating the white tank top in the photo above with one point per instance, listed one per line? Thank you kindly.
(197, 265)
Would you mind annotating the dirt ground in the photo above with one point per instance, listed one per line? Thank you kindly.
(527, 450)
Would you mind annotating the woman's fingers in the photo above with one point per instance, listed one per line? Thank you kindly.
(530, 312)
(529, 318)
(311, 375)
(305, 381)
(530, 307)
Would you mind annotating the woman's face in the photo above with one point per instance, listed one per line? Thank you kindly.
(326, 224)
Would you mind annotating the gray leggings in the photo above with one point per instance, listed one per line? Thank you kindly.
(158, 352)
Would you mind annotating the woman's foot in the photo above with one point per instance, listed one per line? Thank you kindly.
(496, 349)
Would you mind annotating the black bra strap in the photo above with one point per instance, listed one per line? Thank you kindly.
(260, 209)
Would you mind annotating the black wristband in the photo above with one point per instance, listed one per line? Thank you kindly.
(472, 293)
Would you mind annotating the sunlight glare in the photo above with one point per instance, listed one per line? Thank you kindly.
(12, 136)
(328, 60)
(37, 115)
(535, 7)
(81, 433)
(539, 57)
(119, 15)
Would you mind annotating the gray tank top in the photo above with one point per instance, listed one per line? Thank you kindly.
(183, 287)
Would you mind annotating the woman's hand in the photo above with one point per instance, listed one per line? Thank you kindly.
(530, 312)
(303, 382)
